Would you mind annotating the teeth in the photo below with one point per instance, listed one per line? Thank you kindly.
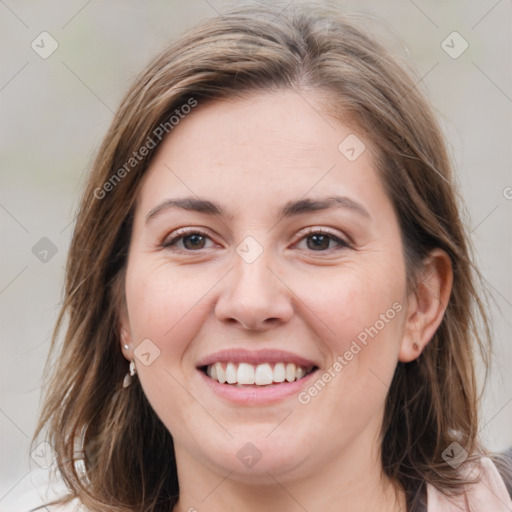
(290, 372)
(245, 374)
(279, 372)
(299, 373)
(231, 373)
(262, 374)
(221, 373)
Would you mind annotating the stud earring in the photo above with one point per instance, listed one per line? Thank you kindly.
(126, 347)
(129, 376)
(415, 346)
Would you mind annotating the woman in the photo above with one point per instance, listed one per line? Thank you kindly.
(270, 298)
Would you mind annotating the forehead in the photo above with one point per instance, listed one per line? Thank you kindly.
(262, 148)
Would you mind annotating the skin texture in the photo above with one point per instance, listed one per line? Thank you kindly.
(252, 156)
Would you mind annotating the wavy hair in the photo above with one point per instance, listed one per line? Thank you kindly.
(112, 450)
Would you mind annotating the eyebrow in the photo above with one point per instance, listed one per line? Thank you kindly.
(312, 205)
(290, 209)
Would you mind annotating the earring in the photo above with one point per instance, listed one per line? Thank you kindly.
(129, 376)
(415, 346)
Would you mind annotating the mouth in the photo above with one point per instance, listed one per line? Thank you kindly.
(256, 377)
(266, 374)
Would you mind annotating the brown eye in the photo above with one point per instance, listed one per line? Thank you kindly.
(194, 241)
(322, 241)
(188, 241)
(318, 242)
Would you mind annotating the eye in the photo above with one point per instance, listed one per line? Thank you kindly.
(188, 240)
(321, 241)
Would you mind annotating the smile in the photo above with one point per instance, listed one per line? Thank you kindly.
(263, 374)
(256, 377)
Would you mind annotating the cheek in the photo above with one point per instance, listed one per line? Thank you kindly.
(357, 303)
(359, 314)
(172, 306)
(167, 306)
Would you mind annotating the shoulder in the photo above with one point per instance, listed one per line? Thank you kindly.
(488, 493)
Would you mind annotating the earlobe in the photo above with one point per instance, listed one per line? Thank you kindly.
(123, 324)
(125, 339)
(427, 304)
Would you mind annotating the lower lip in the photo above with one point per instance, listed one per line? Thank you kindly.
(252, 395)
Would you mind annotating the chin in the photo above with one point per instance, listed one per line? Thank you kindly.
(251, 458)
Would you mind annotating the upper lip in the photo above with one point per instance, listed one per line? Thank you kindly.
(237, 355)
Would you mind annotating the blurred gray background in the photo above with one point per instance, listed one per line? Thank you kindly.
(57, 102)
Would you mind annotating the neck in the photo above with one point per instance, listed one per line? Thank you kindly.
(349, 484)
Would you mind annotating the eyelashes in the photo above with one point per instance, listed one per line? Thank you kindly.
(195, 240)
(314, 240)
(319, 240)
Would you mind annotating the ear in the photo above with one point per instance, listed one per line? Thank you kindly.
(125, 337)
(123, 323)
(427, 304)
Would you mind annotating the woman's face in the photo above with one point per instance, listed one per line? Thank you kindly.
(264, 246)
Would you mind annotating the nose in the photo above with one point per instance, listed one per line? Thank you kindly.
(254, 297)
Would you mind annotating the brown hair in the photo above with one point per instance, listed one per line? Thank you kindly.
(126, 453)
